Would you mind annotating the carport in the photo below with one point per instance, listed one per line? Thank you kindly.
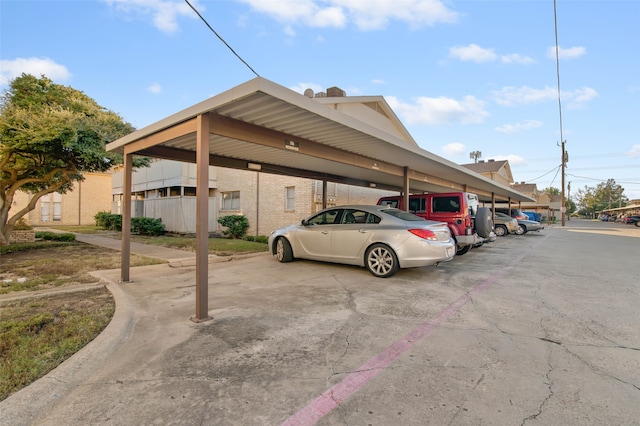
(260, 125)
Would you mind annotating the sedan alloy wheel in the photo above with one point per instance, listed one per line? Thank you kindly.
(381, 261)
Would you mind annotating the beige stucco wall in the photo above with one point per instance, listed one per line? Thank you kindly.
(78, 206)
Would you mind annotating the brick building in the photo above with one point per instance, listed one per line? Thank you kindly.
(76, 207)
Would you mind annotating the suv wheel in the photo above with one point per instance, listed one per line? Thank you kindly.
(501, 230)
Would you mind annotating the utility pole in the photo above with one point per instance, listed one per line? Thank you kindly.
(565, 157)
(474, 155)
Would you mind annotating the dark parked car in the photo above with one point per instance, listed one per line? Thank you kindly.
(516, 213)
(382, 239)
(633, 219)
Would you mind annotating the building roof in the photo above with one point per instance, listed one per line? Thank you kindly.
(525, 187)
(491, 166)
(262, 125)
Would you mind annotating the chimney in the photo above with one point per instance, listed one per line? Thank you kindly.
(336, 92)
(491, 160)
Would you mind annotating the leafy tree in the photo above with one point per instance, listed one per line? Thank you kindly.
(551, 191)
(604, 196)
(50, 135)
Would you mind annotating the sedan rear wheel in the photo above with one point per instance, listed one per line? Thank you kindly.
(460, 250)
(283, 250)
(501, 230)
(381, 261)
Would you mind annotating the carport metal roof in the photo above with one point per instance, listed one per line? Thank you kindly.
(262, 125)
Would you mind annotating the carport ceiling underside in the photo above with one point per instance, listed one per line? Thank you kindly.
(282, 132)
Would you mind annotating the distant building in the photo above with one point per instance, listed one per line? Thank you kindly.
(500, 171)
(76, 207)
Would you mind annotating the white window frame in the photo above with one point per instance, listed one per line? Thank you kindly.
(230, 201)
(290, 198)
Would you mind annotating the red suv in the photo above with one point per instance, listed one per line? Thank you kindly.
(470, 225)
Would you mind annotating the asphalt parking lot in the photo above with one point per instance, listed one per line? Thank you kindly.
(542, 328)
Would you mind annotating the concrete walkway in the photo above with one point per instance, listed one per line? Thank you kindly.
(175, 258)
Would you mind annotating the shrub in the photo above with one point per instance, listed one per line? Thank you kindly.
(256, 238)
(147, 226)
(109, 221)
(22, 225)
(53, 236)
(236, 225)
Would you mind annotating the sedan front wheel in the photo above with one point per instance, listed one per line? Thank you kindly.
(283, 250)
(381, 261)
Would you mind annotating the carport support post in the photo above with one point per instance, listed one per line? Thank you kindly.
(324, 194)
(202, 219)
(126, 217)
(405, 189)
(493, 206)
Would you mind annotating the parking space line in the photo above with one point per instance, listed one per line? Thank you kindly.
(336, 394)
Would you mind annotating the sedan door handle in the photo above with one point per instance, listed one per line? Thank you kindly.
(325, 232)
(362, 231)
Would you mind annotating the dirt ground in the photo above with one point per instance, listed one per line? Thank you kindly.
(58, 275)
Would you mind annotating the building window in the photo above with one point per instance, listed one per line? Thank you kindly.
(57, 207)
(189, 191)
(44, 208)
(290, 198)
(231, 200)
(174, 191)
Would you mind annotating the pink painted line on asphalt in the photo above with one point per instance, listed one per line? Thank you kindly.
(336, 394)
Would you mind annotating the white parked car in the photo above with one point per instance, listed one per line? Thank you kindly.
(380, 238)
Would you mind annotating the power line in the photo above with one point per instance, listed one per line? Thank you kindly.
(562, 141)
(550, 171)
(603, 180)
(221, 39)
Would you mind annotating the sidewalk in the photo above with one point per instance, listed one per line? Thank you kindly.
(175, 258)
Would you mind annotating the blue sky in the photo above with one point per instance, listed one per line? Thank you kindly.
(474, 75)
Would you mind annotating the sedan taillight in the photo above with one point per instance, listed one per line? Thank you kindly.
(424, 233)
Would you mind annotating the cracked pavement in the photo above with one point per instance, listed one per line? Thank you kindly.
(542, 328)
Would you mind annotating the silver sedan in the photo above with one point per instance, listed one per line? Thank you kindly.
(380, 238)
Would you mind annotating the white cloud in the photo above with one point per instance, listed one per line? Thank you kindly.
(515, 58)
(635, 151)
(377, 81)
(518, 127)
(366, 15)
(454, 149)
(473, 53)
(305, 12)
(511, 96)
(301, 87)
(10, 69)
(164, 13)
(570, 53)
(512, 158)
(440, 111)
(155, 88)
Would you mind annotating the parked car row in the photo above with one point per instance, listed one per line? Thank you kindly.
(384, 238)
(622, 218)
